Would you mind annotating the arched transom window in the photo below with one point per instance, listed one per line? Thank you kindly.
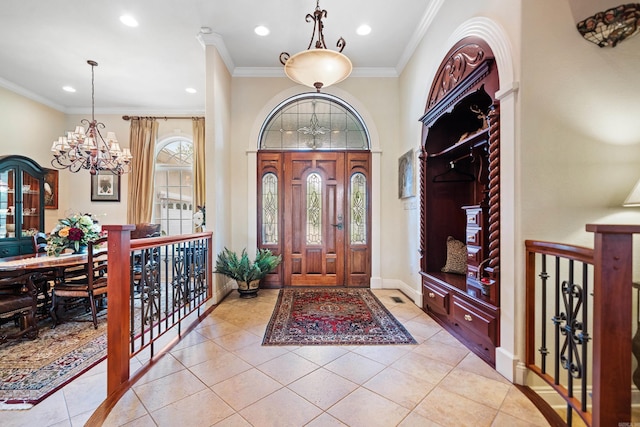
(314, 121)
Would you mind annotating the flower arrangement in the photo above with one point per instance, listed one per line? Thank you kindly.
(73, 232)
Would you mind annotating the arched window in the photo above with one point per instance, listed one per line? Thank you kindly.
(174, 186)
(314, 121)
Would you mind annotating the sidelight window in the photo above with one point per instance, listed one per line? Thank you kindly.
(270, 209)
(358, 205)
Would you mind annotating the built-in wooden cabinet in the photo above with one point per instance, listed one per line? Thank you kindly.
(21, 204)
(460, 184)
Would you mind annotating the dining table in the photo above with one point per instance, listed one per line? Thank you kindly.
(40, 262)
(48, 268)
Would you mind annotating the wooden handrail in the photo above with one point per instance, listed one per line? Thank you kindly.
(576, 253)
(612, 325)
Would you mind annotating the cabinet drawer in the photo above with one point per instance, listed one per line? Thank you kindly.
(474, 216)
(475, 320)
(474, 255)
(474, 236)
(12, 250)
(435, 298)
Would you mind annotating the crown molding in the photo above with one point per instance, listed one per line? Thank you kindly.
(419, 33)
(30, 95)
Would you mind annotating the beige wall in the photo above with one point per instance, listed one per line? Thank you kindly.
(28, 129)
(580, 129)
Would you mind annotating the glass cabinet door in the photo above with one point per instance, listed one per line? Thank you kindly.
(30, 204)
(7, 204)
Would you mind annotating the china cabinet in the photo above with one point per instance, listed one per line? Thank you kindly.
(21, 204)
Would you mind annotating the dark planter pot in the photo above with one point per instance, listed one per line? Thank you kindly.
(248, 290)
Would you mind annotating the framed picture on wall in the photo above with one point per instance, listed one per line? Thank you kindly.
(405, 176)
(105, 187)
(51, 189)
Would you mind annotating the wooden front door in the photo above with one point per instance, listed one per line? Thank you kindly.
(314, 226)
(325, 219)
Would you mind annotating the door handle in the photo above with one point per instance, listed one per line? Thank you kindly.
(339, 224)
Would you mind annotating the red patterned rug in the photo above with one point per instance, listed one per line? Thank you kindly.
(330, 316)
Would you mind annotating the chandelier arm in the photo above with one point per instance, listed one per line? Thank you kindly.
(341, 44)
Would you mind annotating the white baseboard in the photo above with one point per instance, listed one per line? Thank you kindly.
(510, 367)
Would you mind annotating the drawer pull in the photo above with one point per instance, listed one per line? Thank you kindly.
(431, 295)
(468, 318)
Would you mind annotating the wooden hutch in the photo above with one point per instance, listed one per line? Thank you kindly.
(460, 183)
(21, 204)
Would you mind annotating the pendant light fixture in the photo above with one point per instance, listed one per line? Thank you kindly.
(82, 149)
(317, 67)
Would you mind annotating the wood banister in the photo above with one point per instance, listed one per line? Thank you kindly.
(118, 292)
(612, 324)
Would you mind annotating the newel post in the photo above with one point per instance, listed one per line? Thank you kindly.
(612, 323)
(118, 293)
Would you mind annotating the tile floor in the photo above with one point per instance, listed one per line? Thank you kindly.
(220, 375)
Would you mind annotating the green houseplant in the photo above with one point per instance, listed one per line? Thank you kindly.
(246, 272)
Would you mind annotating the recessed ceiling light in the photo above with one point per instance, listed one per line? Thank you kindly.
(191, 90)
(261, 30)
(363, 30)
(129, 21)
(205, 30)
(68, 89)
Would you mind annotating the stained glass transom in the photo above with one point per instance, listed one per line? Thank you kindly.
(314, 121)
(270, 208)
(358, 204)
(314, 209)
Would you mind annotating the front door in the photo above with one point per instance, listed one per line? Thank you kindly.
(324, 219)
(314, 227)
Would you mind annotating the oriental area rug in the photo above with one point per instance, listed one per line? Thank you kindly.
(330, 316)
(30, 370)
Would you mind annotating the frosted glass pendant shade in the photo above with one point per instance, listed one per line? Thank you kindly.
(318, 68)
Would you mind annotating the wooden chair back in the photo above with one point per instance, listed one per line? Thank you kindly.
(39, 242)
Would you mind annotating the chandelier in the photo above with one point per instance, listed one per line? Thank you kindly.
(88, 149)
(318, 67)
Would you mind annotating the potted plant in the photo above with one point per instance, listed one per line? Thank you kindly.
(245, 272)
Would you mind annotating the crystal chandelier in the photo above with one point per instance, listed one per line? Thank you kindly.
(318, 67)
(88, 149)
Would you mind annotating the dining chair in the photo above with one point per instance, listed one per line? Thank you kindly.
(18, 303)
(45, 281)
(39, 242)
(92, 285)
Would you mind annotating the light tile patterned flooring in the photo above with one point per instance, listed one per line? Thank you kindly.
(221, 375)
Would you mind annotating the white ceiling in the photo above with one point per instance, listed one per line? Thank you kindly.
(44, 45)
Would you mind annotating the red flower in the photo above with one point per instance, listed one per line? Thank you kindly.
(75, 234)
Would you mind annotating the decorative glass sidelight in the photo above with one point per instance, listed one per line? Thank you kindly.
(270, 209)
(314, 209)
(358, 205)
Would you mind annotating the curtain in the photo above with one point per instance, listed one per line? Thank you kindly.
(199, 172)
(142, 139)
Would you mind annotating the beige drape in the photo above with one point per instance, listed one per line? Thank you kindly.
(199, 190)
(142, 139)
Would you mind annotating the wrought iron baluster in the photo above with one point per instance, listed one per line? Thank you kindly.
(584, 336)
(556, 321)
(544, 351)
